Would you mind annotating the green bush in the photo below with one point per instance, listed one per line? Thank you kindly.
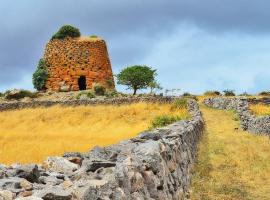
(229, 93)
(1, 94)
(20, 94)
(164, 120)
(179, 104)
(93, 36)
(40, 76)
(111, 94)
(264, 93)
(186, 94)
(67, 31)
(99, 90)
(109, 82)
(90, 95)
(212, 93)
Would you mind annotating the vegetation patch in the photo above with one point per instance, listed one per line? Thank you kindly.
(30, 135)
(67, 31)
(232, 164)
(260, 109)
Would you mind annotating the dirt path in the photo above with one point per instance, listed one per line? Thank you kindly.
(232, 164)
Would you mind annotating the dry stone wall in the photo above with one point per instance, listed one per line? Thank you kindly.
(155, 165)
(15, 105)
(248, 121)
(71, 58)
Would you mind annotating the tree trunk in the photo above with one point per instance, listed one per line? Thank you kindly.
(135, 90)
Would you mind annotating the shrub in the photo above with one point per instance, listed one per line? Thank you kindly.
(164, 120)
(212, 93)
(264, 93)
(111, 94)
(93, 36)
(109, 82)
(245, 94)
(1, 94)
(19, 94)
(179, 104)
(228, 93)
(40, 76)
(90, 95)
(99, 90)
(186, 94)
(67, 31)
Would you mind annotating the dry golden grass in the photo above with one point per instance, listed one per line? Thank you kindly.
(30, 135)
(232, 164)
(260, 109)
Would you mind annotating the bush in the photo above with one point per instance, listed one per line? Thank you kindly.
(186, 94)
(40, 76)
(228, 93)
(264, 93)
(212, 93)
(90, 95)
(179, 104)
(1, 94)
(99, 90)
(245, 94)
(111, 94)
(19, 94)
(93, 36)
(109, 82)
(67, 31)
(164, 120)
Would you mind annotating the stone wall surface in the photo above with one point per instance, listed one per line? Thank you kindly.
(15, 105)
(70, 58)
(155, 165)
(248, 121)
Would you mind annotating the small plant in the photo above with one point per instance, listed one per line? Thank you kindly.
(264, 93)
(229, 93)
(109, 82)
(212, 93)
(186, 94)
(99, 90)
(19, 94)
(40, 76)
(111, 94)
(164, 120)
(179, 104)
(79, 95)
(67, 31)
(93, 36)
(90, 95)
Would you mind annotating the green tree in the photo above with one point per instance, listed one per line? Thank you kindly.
(40, 76)
(154, 85)
(67, 31)
(136, 77)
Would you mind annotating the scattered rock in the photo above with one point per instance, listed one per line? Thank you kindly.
(60, 164)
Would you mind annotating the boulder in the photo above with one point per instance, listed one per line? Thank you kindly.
(60, 164)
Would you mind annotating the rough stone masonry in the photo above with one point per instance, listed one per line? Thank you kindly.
(156, 165)
(77, 64)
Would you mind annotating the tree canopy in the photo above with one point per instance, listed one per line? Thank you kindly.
(136, 77)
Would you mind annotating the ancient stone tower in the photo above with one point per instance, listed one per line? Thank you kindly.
(78, 64)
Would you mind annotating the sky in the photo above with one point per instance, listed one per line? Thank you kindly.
(195, 45)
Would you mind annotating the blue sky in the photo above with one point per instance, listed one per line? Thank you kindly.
(194, 45)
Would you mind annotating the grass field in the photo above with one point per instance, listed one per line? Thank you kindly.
(260, 109)
(30, 135)
(232, 164)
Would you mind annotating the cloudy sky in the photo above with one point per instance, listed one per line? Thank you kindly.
(195, 45)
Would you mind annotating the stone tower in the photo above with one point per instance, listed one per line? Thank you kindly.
(78, 64)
